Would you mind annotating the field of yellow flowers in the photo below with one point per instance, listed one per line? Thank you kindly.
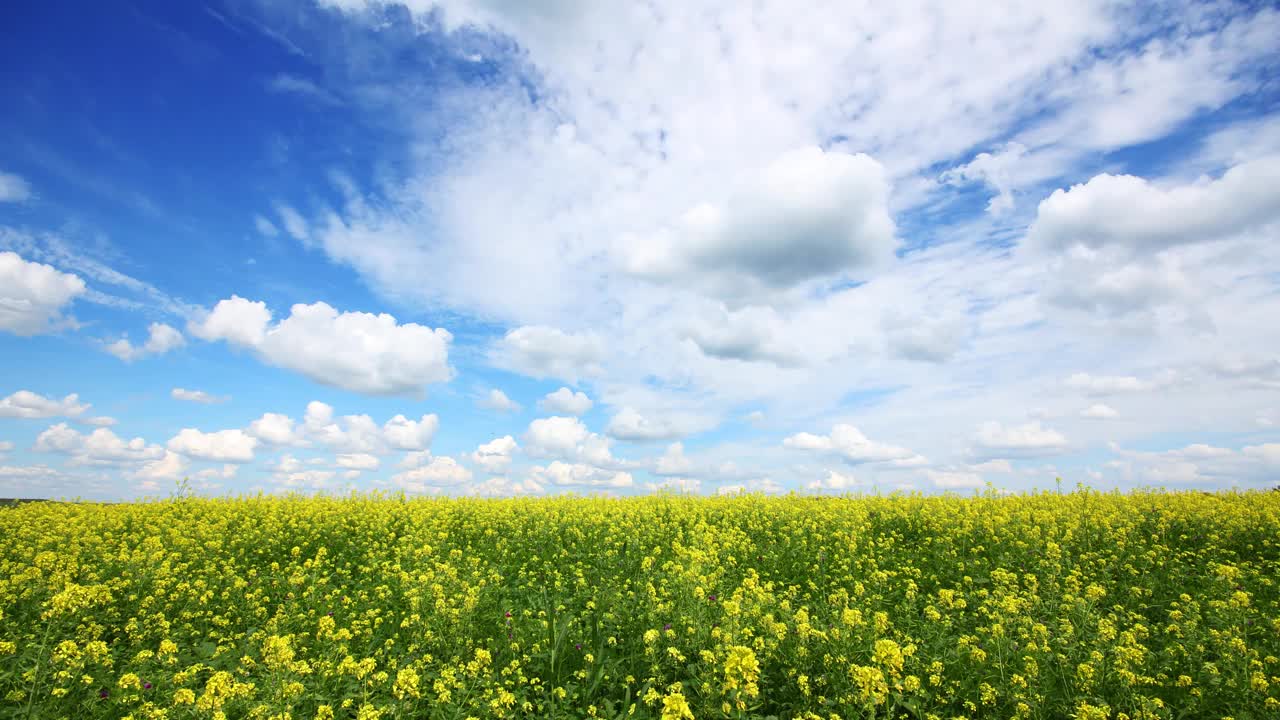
(1083, 605)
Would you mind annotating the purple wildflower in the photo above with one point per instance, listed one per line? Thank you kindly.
(102, 694)
(667, 626)
(577, 646)
(146, 686)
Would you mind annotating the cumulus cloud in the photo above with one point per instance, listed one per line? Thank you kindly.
(440, 472)
(567, 402)
(1099, 411)
(161, 339)
(995, 169)
(1027, 440)
(953, 480)
(505, 487)
(849, 443)
(631, 426)
(547, 352)
(274, 428)
(495, 455)
(835, 482)
(751, 334)
(567, 438)
(1128, 211)
(497, 400)
(170, 467)
(100, 447)
(580, 475)
(357, 461)
(197, 396)
(809, 214)
(673, 461)
(234, 446)
(405, 434)
(355, 351)
(33, 296)
(26, 404)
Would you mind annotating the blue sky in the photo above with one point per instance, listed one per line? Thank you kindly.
(336, 244)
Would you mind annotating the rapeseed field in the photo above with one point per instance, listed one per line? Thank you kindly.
(1083, 605)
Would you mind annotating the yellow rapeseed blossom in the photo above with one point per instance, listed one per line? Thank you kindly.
(272, 608)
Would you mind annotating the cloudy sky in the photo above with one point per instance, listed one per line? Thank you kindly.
(508, 247)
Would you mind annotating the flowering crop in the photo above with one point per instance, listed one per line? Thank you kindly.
(1085, 605)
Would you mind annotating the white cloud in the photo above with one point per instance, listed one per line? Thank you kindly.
(440, 472)
(848, 442)
(568, 438)
(302, 87)
(33, 296)
(1027, 440)
(5, 446)
(1099, 411)
(355, 351)
(402, 433)
(274, 428)
(546, 352)
(751, 334)
(924, 338)
(580, 475)
(26, 404)
(679, 485)
(953, 480)
(1129, 212)
(265, 227)
(495, 455)
(809, 214)
(161, 339)
(673, 461)
(198, 396)
(835, 481)
(100, 447)
(505, 487)
(630, 425)
(994, 169)
(498, 400)
(293, 223)
(221, 446)
(1116, 384)
(13, 188)
(170, 467)
(567, 402)
(992, 466)
(235, 320)
(100, 421)
(286, 464)
(413, 459)
(313, 479)
(226, 472)
(357, 461)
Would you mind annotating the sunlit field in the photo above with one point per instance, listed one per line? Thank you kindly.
(1083, 605)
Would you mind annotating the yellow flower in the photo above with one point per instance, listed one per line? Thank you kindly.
(676, 707)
